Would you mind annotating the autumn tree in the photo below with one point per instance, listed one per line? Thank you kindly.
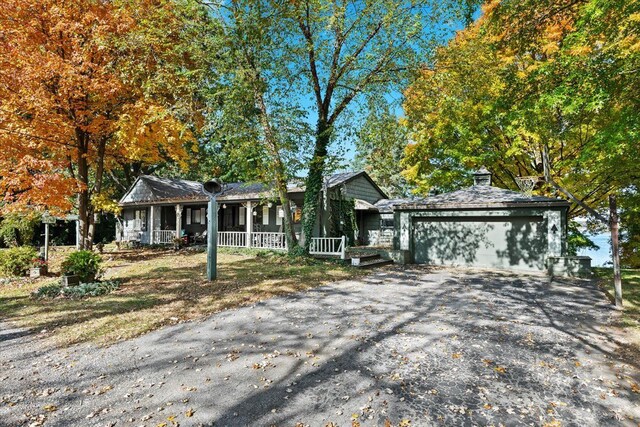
(88, 85)
(348, 51)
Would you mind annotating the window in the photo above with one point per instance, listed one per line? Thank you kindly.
(195, 216)
(386, 223)
(297, 215)
(188, 216)
(280, 215)
(203, 215)
(140, 216)
(242, 214)
(265, 215)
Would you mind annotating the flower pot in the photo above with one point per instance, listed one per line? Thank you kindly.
(35, 272)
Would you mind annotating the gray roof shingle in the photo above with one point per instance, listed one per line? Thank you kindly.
(482, 196)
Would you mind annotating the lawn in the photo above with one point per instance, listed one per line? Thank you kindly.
(630, 295)
(160, 287)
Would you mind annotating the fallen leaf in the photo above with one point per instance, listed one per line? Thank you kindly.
(50, 408)
(500, 369)
(456, 355)
(189, 413)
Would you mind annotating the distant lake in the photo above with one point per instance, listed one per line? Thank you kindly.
(603, 255)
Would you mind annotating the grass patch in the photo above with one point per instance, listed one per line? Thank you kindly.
(160, 287)
(630, 295)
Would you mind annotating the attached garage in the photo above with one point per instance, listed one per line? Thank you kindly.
(483, 226)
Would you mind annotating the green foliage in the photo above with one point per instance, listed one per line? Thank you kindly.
(380, 143)
(18, 228)
(630, 227)
(342, 219)
(84, 264)
(504, 90)
(82, 290)
(16, 261)
(577, 240)
(47, 291)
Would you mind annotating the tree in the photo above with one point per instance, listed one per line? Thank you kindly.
(542, 88)
(349, 50)
(87, 85)
(380, 143)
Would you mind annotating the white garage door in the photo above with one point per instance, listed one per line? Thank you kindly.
(503, 242)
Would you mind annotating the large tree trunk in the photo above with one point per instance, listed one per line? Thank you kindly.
(85, 214)
(102, 145)
(280, 174)
(313, 184)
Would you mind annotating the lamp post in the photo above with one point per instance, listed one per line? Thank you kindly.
(212, 188)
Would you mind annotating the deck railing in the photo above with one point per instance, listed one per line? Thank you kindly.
(163, 237)
(264, 240)
(329, 246)
(232, 239)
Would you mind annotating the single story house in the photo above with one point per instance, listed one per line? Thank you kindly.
(155, 210)
(484, 226)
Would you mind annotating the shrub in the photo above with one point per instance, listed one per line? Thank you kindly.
(93, 289)
(83, 290)
(47, 291)
(17, 261)
(84, 264)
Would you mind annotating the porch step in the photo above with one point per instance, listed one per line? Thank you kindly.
(374, 263)
(361, 258)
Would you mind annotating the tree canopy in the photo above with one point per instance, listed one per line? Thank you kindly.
(531, 77)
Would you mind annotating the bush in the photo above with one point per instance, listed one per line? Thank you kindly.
(89, 289)
(81, 291)
(17, 261)
(47, 291)
(84, 264)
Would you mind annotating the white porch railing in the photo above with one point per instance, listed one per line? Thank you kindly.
(232, 239)
(331, 246)
(163, 237)
(131, 236)
(264, 240)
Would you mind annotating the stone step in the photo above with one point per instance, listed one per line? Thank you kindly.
(375, 263)
(357, 259)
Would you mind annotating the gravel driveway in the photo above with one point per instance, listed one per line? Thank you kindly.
(431, 347)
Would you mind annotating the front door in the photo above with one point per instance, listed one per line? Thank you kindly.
(168, 218)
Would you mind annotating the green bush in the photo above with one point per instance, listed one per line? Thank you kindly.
(89, 289)
(47, 291)
(83, 290)
(84, 264)
(17, 261)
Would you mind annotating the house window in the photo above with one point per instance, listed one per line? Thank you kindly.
(188, 216)
(279, 215)
(386, 223)
(196, 216)
(265, 215)
(242, 213)
(140, 216)
(203, 216)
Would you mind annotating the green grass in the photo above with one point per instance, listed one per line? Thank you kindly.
(160, 287)
(630, 295)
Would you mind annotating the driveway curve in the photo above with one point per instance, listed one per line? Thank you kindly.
(433, 347)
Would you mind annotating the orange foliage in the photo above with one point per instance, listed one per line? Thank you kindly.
(65, 99)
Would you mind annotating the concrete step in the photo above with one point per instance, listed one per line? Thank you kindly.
(360, 258)
(374, 263)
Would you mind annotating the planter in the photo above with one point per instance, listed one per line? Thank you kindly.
(70, 280)
(35, 272)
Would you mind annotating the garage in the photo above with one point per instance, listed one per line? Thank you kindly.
(483, 226)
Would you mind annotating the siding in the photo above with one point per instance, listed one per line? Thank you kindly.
(361, 188)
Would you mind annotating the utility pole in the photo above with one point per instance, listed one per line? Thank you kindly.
(615, 249)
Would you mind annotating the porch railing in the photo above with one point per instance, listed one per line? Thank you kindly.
(163, 237)
(232, 239)
(329, 246)
(264, 240)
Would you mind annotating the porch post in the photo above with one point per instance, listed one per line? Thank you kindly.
(150, 227)
(178, 220)
(249, 223)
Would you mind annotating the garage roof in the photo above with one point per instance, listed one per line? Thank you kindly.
(482, 196)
